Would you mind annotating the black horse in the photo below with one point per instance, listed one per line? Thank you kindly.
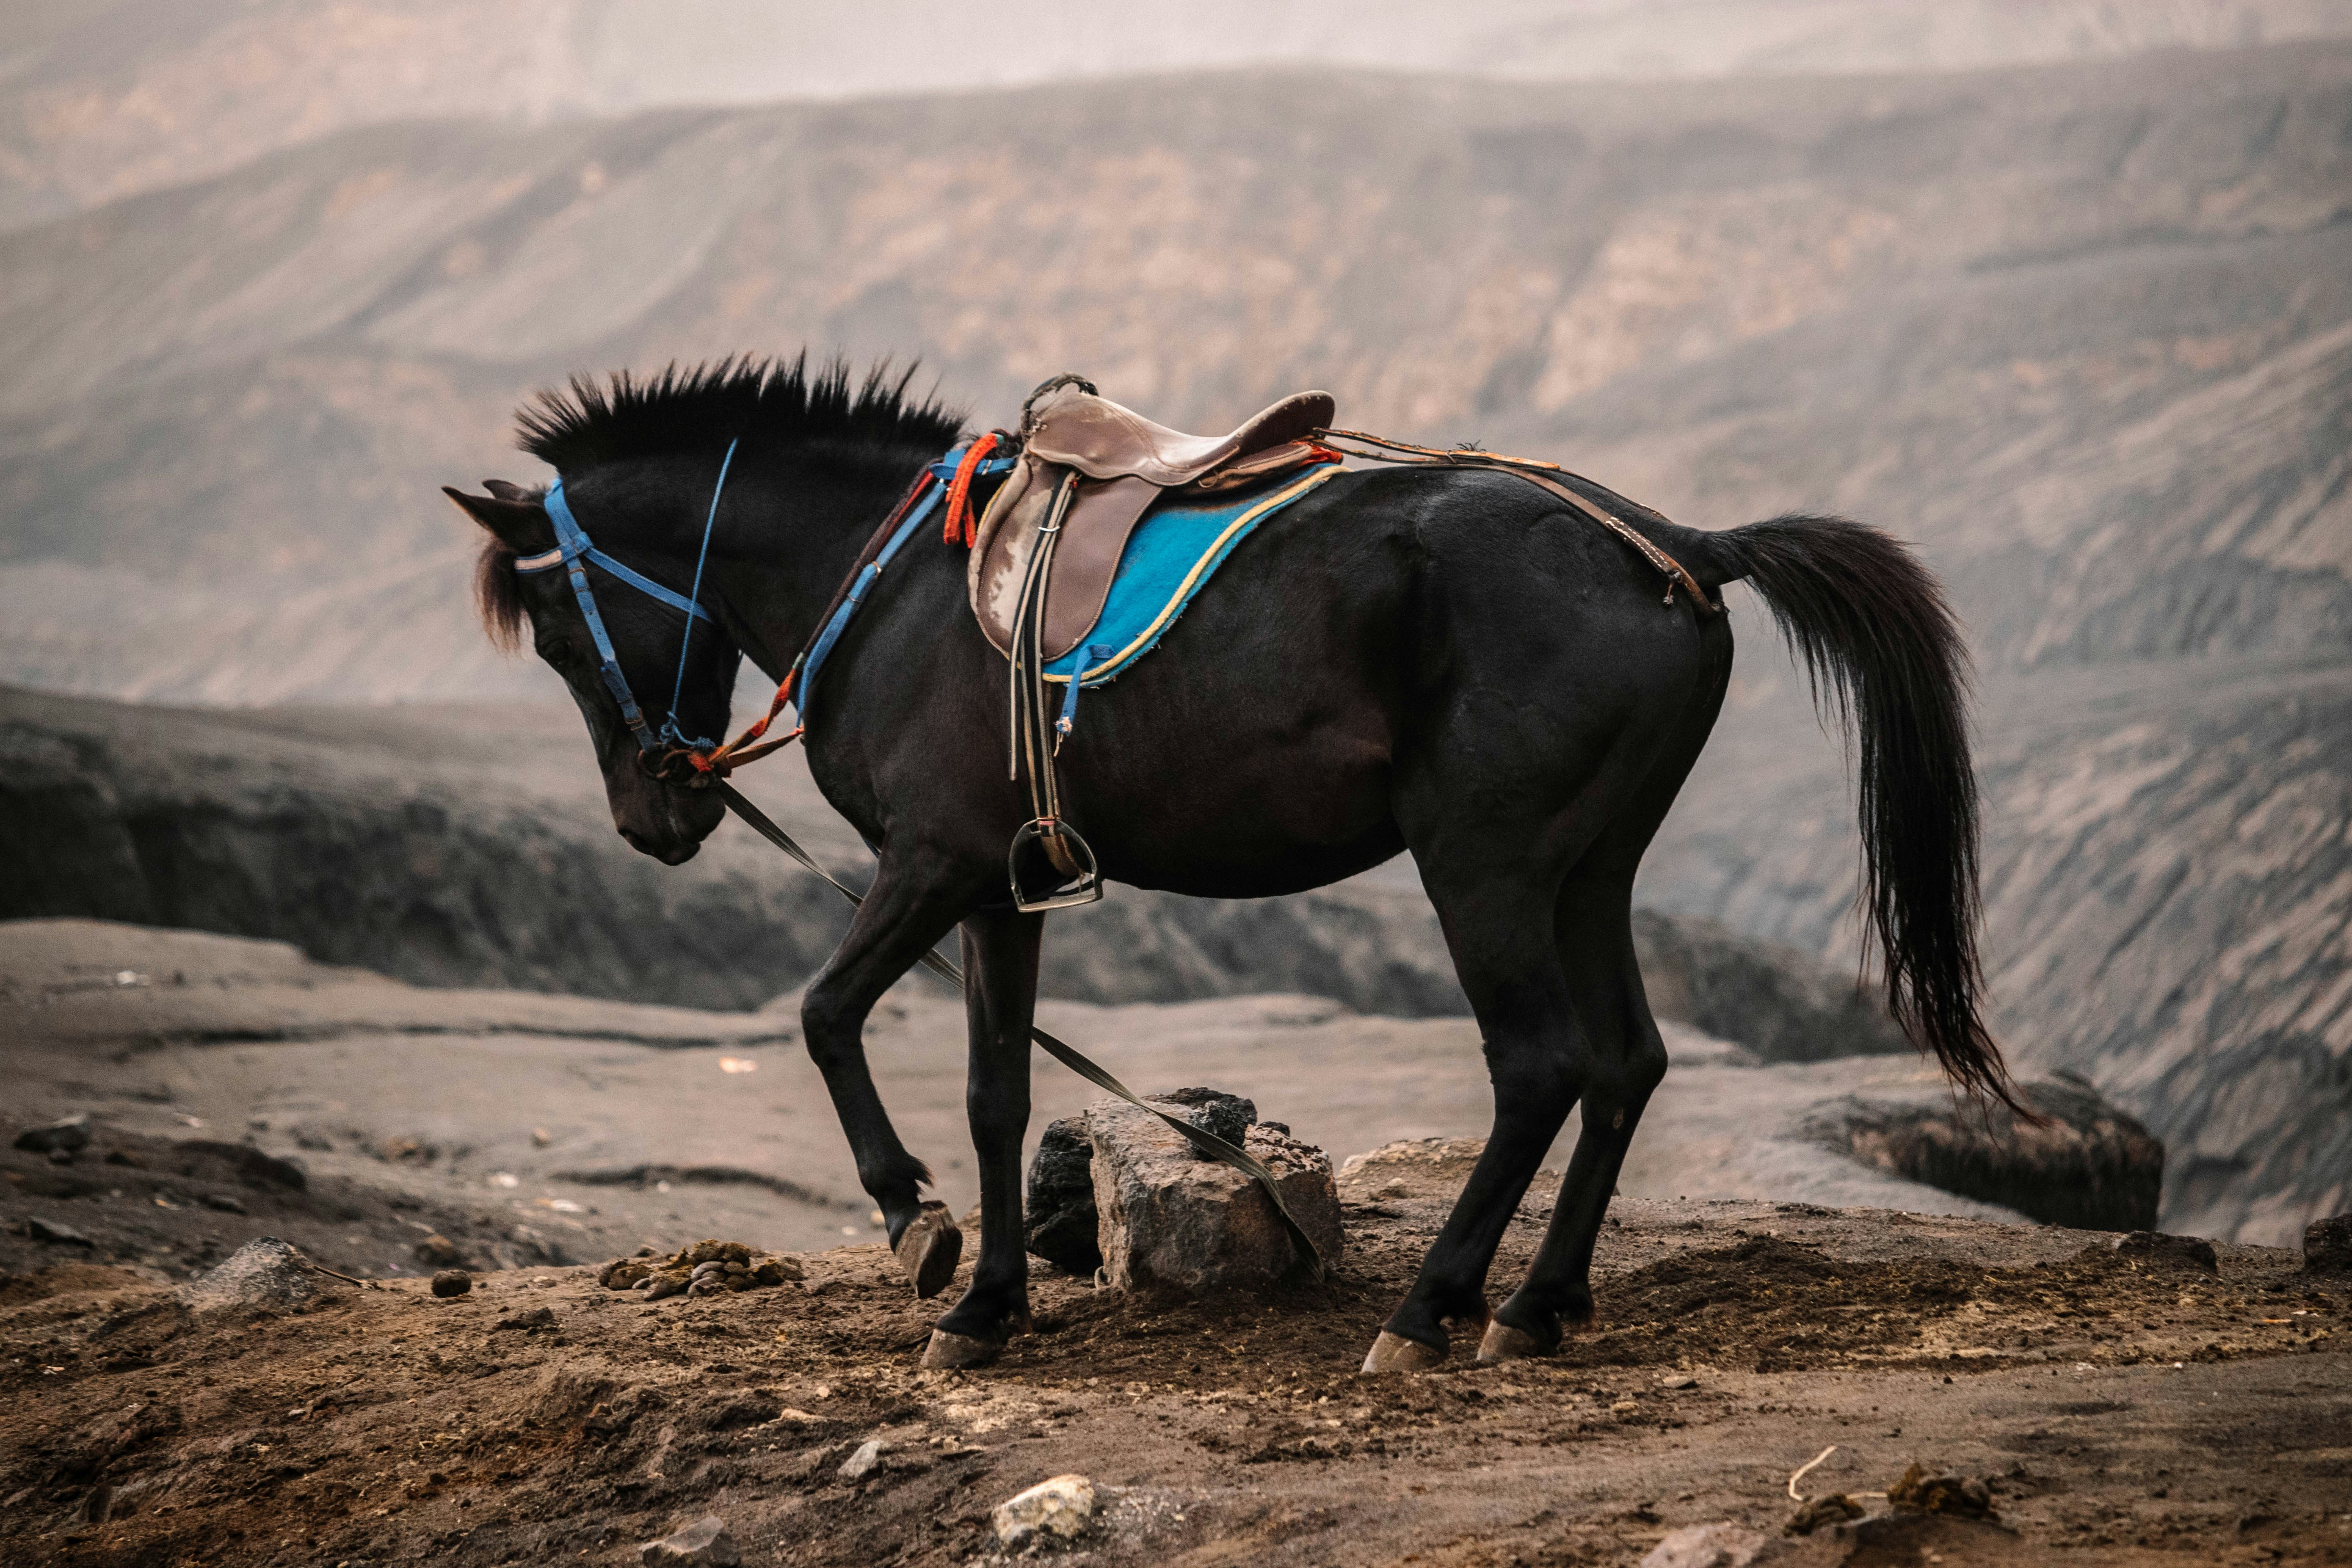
(1442, 661)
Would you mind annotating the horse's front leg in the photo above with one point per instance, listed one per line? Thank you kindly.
(909, 908)
(999, 990)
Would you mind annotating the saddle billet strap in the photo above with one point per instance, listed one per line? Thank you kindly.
(1525, 468)
(1068, 1055)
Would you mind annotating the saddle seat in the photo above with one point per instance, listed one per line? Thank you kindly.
(1105, 441)
(1123, 462)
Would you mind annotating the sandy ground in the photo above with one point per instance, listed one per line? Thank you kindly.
(597, 1126)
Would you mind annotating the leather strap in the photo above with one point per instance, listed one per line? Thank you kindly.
(1535, 472)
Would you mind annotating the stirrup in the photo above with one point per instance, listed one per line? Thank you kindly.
(1081, 882)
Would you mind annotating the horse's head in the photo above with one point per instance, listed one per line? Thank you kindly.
(536, 561)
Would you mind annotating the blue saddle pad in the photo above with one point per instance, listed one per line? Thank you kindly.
(1172, 552)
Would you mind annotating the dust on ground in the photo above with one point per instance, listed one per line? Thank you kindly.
(2126, 1413)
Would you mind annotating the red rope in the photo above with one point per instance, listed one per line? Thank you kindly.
(961, 524)
(734, 753)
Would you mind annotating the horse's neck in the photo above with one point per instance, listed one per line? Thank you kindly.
(800, 546)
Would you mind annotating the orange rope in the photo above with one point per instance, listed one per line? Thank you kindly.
(734, 754)
(961, 524)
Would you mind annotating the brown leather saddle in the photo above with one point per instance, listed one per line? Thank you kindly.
(1104, 465)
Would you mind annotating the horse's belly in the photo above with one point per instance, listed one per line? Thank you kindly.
(1248, 818)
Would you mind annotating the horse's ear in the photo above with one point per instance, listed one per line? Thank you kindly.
(511, 513)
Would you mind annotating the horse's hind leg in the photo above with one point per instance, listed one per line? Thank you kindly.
(1500, 929)
(1000, 959)
(1593, 922)
(1624, 1064)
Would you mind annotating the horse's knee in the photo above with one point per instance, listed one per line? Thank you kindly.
(1535, 1082)
(831, 1024)
(1647, 1068)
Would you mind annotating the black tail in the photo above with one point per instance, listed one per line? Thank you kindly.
(1880, 644)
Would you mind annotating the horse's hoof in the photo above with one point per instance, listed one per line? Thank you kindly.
(928, 1249)
(949, 1350)
(1503, 1343)
(1395, 1352)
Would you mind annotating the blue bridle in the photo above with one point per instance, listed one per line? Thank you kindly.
(572, 548)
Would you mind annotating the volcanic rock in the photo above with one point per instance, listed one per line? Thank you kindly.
(1056, 1509)
(706, 1543)
(2327, 1245)
(1214, 1112)
(2153, 1246)
(1719, 1545)
(1059, 1212)
(55, 1234)
(2089, 1166)
(264, 1272)
(68, 1136)
(1170, 1221)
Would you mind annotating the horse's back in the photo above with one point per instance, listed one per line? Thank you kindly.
(1392, 614)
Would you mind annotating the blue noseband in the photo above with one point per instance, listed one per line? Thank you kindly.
(572, 548)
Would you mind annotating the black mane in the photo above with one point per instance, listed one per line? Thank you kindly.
(761, 401)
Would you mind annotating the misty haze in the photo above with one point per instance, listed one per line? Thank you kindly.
(315, 927)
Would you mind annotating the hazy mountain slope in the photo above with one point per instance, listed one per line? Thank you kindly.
(1724, 298)
(103, 98)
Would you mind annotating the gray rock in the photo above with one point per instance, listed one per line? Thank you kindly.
(2089, 1166)
(862, 1463)
(1058, 1216)
(1058, 1509)
(706, 1543)
(264, 1272)
(452, 1282)
(1719, 1545)
(1215, 1112)
(2155, 1247)
(55, 1234)
(69, 1135)
(1171, 1221)
(2327, 1245)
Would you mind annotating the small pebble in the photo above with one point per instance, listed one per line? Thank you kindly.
(452, 1282)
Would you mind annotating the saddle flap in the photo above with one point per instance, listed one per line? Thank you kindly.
(1101, 515)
